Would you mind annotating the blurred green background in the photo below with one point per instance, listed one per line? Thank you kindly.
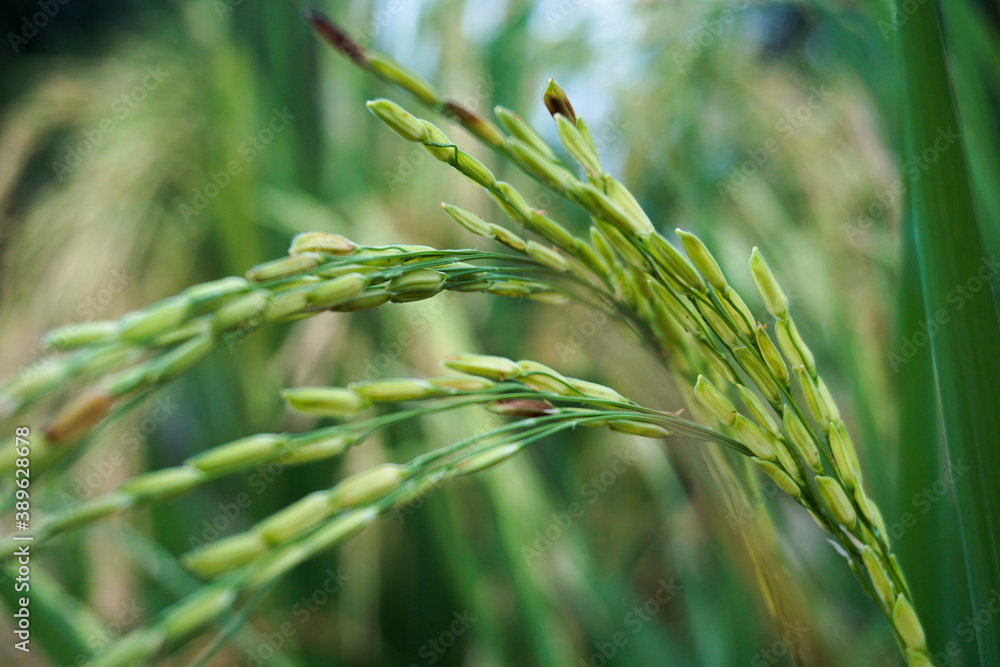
(147, 146)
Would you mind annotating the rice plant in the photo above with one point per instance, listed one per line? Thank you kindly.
(755, 402)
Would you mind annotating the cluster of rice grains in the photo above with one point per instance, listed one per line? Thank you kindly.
(124, 359)
(679, 301)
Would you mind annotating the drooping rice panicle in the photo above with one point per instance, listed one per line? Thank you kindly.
(149, 348)
(533, 387)
(676, 296)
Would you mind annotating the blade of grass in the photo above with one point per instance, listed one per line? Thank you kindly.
(61, 625)
(950, 253)
(975, 53)
(232, 626)
(930, 549)
(176, 583)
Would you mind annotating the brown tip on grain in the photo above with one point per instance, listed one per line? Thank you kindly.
(459, 112)
(337, 38)
(466, 116)
(557, 102)
(79, 417)
(522, 407)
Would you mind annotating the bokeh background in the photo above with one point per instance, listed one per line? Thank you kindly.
(149, 145)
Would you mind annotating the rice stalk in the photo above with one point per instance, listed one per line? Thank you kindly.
(677, 298)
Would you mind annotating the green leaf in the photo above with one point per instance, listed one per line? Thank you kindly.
(929, 546)
(60, 624)
(951, 257)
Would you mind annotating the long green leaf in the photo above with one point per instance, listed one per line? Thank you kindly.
(923, 524)
(62, 626)
(951, 257)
